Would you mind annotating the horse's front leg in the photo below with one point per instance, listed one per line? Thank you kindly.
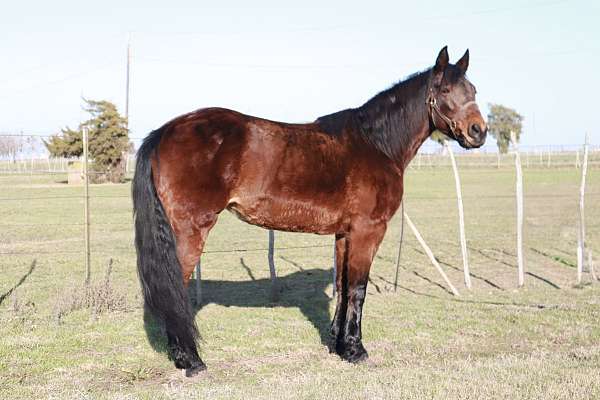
(340, 308)
(362, 243)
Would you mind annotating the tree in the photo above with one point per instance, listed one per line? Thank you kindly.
(68, 143)
(108, 141)
(10, 146)
(501, 122)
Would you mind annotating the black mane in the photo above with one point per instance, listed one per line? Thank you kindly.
(335, 123)
(387, 120)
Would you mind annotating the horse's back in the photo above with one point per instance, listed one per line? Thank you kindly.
(292, 155)
(296, 177)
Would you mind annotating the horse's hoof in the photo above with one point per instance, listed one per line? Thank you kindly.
(195, 369)
(355, 354)
(332, 346)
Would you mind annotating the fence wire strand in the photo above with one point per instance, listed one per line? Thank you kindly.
(540, 158)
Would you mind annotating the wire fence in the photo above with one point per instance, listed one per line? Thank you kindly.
(29, 172)
(531, 160)
(532, 157)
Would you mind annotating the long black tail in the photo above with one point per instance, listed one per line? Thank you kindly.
(158, 267)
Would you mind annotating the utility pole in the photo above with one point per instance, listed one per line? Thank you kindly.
(127, 82)
(127, 100)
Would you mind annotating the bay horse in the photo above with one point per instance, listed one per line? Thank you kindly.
(340, 175)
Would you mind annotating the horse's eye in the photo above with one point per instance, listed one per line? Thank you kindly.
(445, 90)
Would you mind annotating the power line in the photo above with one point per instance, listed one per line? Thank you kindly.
(353, 26)
(127, 83)
(258, 66)
(60, 80)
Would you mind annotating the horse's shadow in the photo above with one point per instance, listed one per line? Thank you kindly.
(304, 290)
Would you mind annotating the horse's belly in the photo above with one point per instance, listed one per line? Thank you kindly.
(287, 215)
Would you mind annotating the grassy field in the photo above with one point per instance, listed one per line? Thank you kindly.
(61, 340)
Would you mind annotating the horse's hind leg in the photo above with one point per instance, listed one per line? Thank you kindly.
(190, 237)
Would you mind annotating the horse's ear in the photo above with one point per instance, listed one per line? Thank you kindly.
(463, 63)
(442, 61)
(440, 65)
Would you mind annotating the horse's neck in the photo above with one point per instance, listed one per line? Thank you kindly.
(417, 139)
(418, 132)
(397, 121)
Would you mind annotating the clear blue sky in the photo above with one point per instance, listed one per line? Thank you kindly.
(294, 62)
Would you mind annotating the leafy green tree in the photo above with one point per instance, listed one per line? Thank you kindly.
(68, 143)
(108, 141)
(501, 122)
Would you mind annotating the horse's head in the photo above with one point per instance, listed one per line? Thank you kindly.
(451, 101)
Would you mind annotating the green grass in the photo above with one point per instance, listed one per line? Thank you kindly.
(496, 341)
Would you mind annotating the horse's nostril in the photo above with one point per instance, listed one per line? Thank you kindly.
(476, 132)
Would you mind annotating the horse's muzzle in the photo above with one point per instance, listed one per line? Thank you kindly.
(477, 135)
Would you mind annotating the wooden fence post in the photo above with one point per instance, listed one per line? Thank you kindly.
(399, 245)
(274, 285)
(198, 297)
(430, 255)
(519, 190)
(591, 266)
(461, 217)
(86, 206)
(581, 236)
(334, 266)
